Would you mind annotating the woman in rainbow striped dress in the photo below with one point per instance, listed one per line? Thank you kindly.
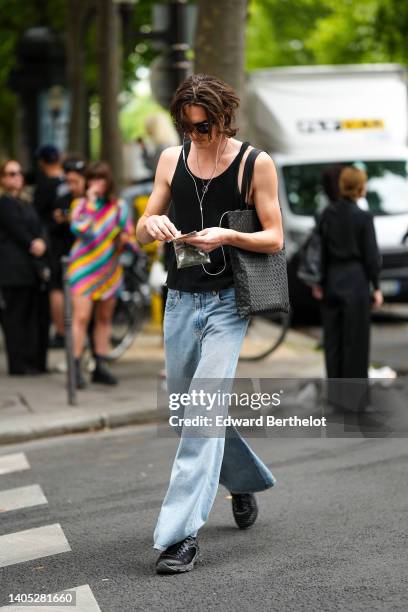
(103, 228)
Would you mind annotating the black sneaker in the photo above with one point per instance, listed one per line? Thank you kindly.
(179, 557)
(244, 509)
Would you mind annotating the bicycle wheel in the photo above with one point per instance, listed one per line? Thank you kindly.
(265, 333)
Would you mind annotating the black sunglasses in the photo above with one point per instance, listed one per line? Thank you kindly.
(203, 127)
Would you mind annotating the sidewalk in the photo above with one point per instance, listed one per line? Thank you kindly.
(34, 407)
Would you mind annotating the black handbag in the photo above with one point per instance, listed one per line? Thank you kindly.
(310, 268)
(260, 279)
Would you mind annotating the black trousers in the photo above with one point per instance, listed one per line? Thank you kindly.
(25, 320)
(346, 327)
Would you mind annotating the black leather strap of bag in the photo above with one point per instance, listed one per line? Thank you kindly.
(247, 177)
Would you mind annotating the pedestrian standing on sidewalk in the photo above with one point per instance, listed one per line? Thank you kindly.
(24, 310)
(51, 185)
(203, 332)
(103, 227)
(349, 288)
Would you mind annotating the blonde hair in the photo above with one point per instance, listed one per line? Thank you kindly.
(161, 131)
(352, 182)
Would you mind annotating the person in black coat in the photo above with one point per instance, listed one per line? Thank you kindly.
(23, 277)
(350, 286)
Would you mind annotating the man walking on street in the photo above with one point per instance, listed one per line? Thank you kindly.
(203, 332)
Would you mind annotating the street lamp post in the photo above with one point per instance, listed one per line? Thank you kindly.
(178, 42)
(172, 24)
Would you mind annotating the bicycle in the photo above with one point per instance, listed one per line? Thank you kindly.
(133, 305)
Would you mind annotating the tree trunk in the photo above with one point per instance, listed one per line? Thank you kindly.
(78, 14)
(220, 40)
(109, 84)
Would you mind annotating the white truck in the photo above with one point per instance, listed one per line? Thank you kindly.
(313, 120)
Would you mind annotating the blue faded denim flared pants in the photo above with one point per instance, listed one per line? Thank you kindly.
(203, 334)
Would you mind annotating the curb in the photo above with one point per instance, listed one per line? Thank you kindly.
(33, 427)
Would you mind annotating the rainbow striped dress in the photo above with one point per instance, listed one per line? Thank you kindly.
(94, 269)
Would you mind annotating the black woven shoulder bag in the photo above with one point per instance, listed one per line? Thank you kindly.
(260, 279)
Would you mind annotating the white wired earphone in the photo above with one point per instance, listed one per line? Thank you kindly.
(200, 200)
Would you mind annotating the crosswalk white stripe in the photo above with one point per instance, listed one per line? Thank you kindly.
(85, 602)
(22, 497)
(13, 463)
(32, 544)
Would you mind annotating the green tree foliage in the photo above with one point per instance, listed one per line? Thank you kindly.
(16, 17)
(291, 32)
(392, 28)
(351, 33)
(278, 31)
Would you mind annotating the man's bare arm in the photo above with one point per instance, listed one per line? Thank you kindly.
(265, 197)
(154, 223)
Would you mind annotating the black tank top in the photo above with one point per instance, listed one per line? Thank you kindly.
(222, 195)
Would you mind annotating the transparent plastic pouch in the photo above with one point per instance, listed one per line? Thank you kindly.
(188, 255)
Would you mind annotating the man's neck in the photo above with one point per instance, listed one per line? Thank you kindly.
(212, 150)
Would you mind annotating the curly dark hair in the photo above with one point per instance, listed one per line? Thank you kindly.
(217, 98)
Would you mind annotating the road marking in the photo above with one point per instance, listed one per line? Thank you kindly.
(85, 602)
(22, 497)
(13, 463)
(32, 544)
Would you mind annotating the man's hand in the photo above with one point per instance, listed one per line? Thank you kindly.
(378, 299)
(161, 228)
(210, 238)
(38, 247)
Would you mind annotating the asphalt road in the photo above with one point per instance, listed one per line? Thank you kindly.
(331, 536)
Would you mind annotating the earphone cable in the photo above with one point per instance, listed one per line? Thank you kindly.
(200, 200)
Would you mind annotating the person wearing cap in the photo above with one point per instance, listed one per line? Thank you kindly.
(51, 185)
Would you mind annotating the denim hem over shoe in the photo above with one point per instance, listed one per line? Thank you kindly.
(252, 490)
(205, 332)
